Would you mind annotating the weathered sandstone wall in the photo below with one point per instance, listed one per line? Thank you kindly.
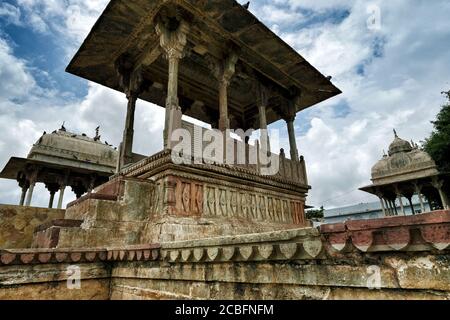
(394, 258)
(17, 224)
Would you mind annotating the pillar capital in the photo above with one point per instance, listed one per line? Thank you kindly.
(131, 77)
(173, 42)
(417, 186)
(32, 174)
(398, 191)
(52, 187)
(223, 69)
(262, 95)
(438, 184)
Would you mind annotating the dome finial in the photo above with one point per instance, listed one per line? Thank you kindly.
(97, 134)
(395, 133)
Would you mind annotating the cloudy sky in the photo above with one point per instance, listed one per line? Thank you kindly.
(390, 58)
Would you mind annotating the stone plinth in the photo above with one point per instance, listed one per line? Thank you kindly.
(157, 200)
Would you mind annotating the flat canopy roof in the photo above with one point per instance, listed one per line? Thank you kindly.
(128, 27)
(16, 165)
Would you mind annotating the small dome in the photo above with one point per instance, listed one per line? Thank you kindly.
(399, 145)
(405, 159)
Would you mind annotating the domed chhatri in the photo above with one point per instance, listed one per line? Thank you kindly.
(405, 160)
(405, 171)
(60, 159)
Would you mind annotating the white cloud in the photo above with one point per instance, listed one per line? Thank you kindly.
(15, 79)
(10, 13)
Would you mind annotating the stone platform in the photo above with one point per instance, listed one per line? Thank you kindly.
(157, 201)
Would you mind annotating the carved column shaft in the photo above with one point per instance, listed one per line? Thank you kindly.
(223, 71)
(402, 207)
(61, 196)
(173, 44)
(24, 185)
(418, 190)
(52, 198)
(128, 133)
(32, 179)
(438, 185)
(292, 140)
(411, 205)
(23, 195)
(224, 121)
(382, 206)
(30, 193)
(386, 205)
(262, 107)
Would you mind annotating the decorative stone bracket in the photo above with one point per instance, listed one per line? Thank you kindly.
(47, 256)
(424, 232)
(300, 244)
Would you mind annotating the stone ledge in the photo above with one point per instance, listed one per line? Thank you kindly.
(296, 244)
(49, 256)
(424, 232)
(93, 196)
(64, 223)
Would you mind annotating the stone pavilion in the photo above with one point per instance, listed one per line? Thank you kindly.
(404, 172)
(62, 159)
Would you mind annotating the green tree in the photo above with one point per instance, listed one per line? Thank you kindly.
(438, 144)
(315, 214)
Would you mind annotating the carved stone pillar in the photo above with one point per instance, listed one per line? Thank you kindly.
(52, 198)
(223, 71)
(133, 84)
(380, 196)
(32, 179)
(438, 184)
(402, 207)
(413, 212)
(30, 193)
(393, 206)
(52, 188)
(289, 117)
(388, 209)
(418, 190)
(400, 198)
(262, 101)
(292, 140)
(173, 44)
(24, 185)
(23, 195)
(62, 189)
(128, 132)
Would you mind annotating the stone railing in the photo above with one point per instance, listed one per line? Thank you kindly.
(245, 156)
